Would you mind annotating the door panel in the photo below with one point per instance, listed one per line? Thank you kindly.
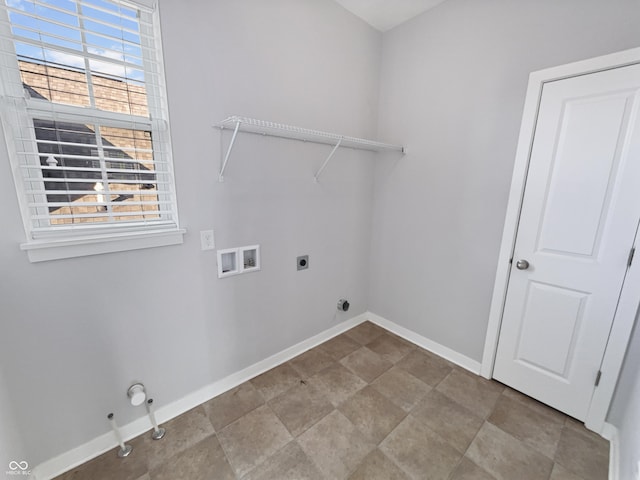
(550, 308)
(587, 142)
(579, 214)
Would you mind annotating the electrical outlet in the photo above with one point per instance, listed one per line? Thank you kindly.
(207, 240)
(302, 262)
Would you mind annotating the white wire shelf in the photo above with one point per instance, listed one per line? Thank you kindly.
(262, 127)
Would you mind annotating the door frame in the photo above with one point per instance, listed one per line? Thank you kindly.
(627, 309)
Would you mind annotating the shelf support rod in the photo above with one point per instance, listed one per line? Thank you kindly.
(226, 157)
(317, 175)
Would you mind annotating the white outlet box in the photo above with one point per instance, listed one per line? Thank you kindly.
(234, 261)
(207, 240)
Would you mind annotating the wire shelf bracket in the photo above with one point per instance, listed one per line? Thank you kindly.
(251, 125)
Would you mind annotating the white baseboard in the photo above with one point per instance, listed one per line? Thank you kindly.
(99, 445)
(434, 347)
(610, 432)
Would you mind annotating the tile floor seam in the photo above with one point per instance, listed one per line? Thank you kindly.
(403, 470)
(432, 386)
(527, 442)
(514, 441)
(464, 457)
(556, 452)
(240, 417)
(255, 467)
(483, 417)
(560, 461)
(406, 469)
(226, 456)
(444, 378)
(463, 406)
(452, 472)
(295, 437)
(440, 436)
(406, 414)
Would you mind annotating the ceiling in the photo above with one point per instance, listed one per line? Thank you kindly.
(386, 14)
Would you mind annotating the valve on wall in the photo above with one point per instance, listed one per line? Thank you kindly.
(137, 394)
(343, 305)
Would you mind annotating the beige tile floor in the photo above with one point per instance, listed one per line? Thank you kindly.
(364, 405)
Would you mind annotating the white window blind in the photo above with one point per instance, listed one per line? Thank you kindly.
(84, 105)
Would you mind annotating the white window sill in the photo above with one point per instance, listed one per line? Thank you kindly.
(44, 250)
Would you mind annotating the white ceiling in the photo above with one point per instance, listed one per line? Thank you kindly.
(386, 14)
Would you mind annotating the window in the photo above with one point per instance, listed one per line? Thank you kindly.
(85, 116)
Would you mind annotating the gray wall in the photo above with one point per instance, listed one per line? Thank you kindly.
(76, 332)
(453, 83)
(625, 408)
(11, 446)
(11, 437)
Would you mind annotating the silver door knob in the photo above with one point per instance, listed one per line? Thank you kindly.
(522, 264)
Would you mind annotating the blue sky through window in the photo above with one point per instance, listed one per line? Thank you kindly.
(51, 30)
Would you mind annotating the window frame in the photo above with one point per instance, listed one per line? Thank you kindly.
(44, 244)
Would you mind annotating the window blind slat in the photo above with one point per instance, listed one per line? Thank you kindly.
(80, 52)
(92, 145)
(70, 51)
(132, 161)
(23, 13)
(126, 203)
(61, 230)
(94, 180)
(80, 17)
(70, 144)
(84, 192)
(103, 215)
(35, 156)
(152, 72)
(128, 171)
(79, 114)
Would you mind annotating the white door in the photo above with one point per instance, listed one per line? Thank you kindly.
(579, 216)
